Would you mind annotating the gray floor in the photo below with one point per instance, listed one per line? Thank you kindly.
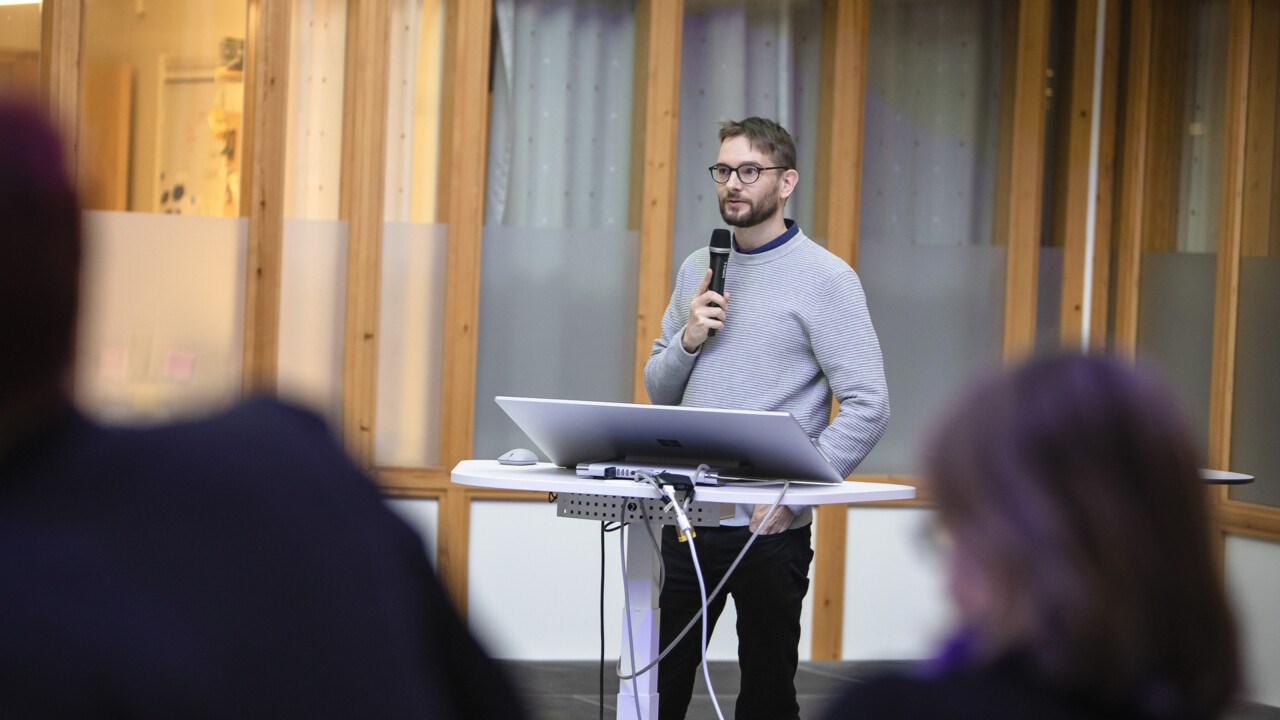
(570, 690)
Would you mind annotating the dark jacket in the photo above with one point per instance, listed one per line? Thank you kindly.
(239, 566)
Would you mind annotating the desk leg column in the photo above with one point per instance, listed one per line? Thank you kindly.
(642, 593)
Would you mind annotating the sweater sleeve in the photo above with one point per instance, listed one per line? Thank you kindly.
(667, 371)
(846, 348)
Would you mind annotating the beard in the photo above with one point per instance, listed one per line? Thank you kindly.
(753, 214)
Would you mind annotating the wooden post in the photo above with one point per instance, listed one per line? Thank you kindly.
(659, 26)
(262, 191)
(838, 182)
(364, 146)
(61, 65)
(1133, 174)
(466, 124)
(1026, 178)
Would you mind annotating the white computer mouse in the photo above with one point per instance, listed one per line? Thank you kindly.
(518, 456)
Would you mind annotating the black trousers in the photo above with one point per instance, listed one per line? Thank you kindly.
(768, 588)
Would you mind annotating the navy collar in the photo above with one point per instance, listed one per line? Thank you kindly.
(791, 231)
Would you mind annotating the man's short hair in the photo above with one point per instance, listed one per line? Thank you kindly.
(764, 135)
(39, 254)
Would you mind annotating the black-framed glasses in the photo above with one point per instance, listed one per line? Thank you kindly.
(747, 174)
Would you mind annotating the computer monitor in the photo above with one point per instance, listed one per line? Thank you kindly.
(765, 445)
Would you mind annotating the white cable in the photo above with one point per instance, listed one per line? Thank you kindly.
(631, 636)
(702, 588)
(714, 593)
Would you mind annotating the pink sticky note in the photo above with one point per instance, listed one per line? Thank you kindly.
(181, 366)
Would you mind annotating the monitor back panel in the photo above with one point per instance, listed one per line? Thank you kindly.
(770, 444)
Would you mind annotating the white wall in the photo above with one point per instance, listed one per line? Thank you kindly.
(1253, 580)
(423, 516)
(535, 579)
(895, 593)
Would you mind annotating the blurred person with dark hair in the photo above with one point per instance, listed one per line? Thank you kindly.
(239, 566)
(1080, 557)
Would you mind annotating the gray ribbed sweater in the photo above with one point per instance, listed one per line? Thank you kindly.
(797, 331)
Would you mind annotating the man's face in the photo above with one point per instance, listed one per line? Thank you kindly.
(743, 205)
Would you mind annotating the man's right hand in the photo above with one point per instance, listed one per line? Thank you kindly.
(704, 315)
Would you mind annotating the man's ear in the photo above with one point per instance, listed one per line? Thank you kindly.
(788, 183)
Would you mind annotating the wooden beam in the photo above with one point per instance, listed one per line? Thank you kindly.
(453, 550)
(466, 144)
(61, 66)
(832, 525)
(262, 187)
(362, 205)
(1247, 520)
(1262, 151)
(1230, 226)
(1166, 128)
(1072, 206)
(838, 183)
(414, 481)
(1026, 180)
(659, 29)
(1133, 175)
(842, 108)
(465, 178)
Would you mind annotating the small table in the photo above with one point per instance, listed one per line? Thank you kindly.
(1224, 477)
(641, 585)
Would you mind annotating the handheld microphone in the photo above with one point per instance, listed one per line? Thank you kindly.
(719, 247)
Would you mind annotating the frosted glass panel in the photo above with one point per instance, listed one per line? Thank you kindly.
(939, 314)
(742, 58)
(410, 344)
(162, 317)
(1175, 328)
(312, 315)
(1049, 301)
(557, 319)
(1255, 422)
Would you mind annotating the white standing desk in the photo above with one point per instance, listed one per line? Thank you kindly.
(642, 565)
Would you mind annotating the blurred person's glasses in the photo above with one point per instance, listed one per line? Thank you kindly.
(747, 174)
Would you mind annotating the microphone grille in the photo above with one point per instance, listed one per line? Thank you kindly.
(720, 239)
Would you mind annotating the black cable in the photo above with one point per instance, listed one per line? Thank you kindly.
(603, 530)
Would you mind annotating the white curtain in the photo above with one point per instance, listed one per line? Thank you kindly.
(932, 123)
(742, 58)
(318, 42)
(1204, 119)
(560, 134)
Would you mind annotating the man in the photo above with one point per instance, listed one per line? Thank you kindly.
(791, 330)
(239, 566)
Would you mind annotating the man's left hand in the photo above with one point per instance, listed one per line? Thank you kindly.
(781, 519)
